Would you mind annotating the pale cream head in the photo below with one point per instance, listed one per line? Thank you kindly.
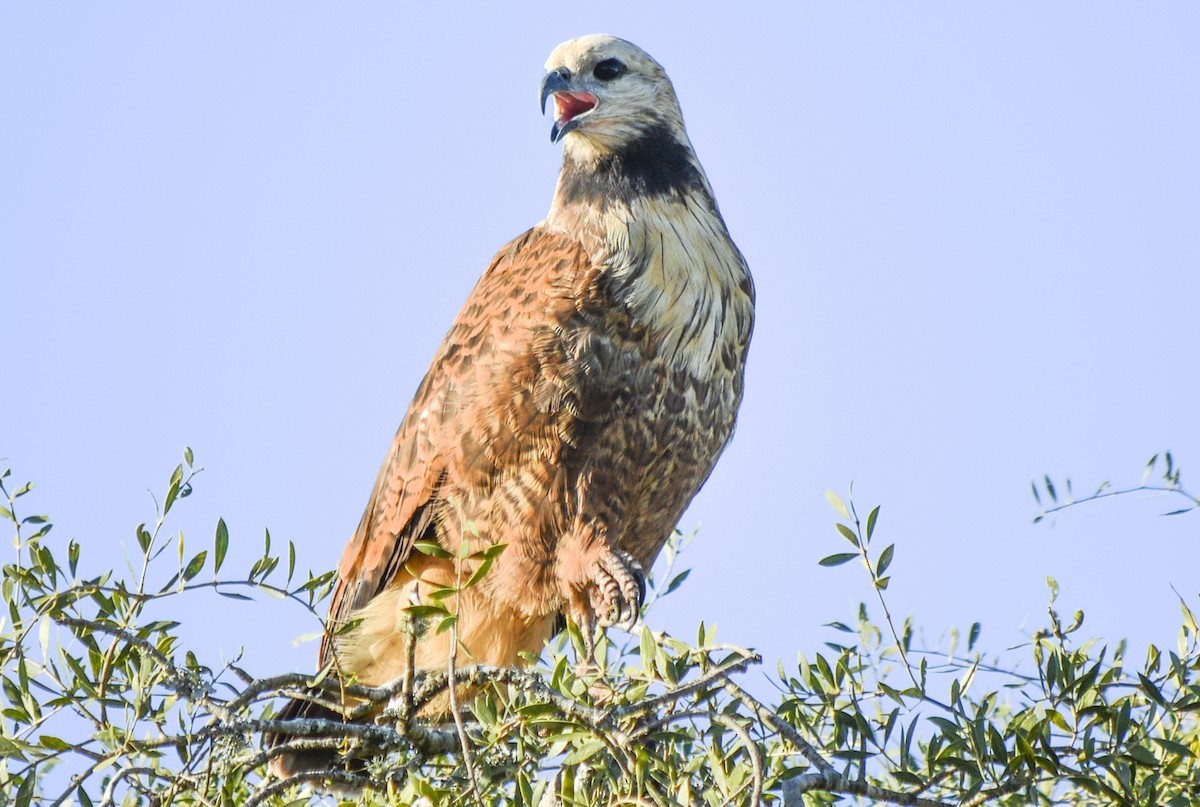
(608, 92)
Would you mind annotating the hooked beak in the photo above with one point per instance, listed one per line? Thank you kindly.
(569, 105)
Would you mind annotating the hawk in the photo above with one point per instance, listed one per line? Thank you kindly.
(578, 403)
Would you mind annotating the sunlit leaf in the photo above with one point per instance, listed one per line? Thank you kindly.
(839, 506)
(431, 549)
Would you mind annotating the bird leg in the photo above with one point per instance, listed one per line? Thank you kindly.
(601, 584)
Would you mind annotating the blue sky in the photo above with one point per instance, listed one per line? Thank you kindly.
(974, 230)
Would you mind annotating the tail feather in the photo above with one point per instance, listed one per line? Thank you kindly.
(292, 762)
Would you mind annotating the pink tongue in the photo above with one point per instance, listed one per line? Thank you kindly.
(571, 104)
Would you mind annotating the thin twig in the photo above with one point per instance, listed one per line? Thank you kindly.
(468, 756)
(715, 675)
(783, 727)
(752, 751)
(1108, 494)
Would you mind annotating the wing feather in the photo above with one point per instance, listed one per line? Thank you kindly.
(460, 427)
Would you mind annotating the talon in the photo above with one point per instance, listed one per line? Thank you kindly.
(620, 590)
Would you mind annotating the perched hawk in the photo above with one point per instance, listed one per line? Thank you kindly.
(578, 402)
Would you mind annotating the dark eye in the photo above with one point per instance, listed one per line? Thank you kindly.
(608, 69)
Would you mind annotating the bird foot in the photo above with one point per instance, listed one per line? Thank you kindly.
(617, 591)
(601, 585)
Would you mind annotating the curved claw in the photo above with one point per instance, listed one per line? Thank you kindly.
(620, 588)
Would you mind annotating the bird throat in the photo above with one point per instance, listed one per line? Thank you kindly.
(655, 164)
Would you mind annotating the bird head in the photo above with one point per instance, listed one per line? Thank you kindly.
(607, 93)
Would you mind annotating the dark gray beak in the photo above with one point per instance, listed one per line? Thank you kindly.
(555, 81)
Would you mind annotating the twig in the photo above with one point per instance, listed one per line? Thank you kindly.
(107, 798)
(720, 673)
(752, 751)
(410, 670)
(464, 741)
(783, 727)
(794, 790)
(1108, 494)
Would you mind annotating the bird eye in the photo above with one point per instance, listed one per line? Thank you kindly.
(608, 69)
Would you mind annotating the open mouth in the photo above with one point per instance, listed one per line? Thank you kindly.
(571, 105)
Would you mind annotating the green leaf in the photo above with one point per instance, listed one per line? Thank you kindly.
(144, 538)
(44, 636)
(233, 595)
(431, 549)
(220, 545)
(425, 611)
(948, 727)
(885, 560)
(1189, 619)
(54, 743)
(647, 649)
(973, 635)
(871, 519)
(195, 565)
(24, 796)
(1178, 749)
(838, 505)
(187, 457)
(1151, 690)
(1143, 755)
(584, 752)
(484, 567)
(492, 551)
(172, 494)
(1050, 488)
(848, 534)
(838, 559)
(676, 581)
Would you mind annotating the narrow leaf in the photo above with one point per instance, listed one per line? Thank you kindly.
(483, 569)
(838, 505)
(885, 559)
(431, 549)
(425, 611)
(220, 545)
(233, 595)
(871, 519)
(973, 635)
(1050, 489)
(195, 565)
